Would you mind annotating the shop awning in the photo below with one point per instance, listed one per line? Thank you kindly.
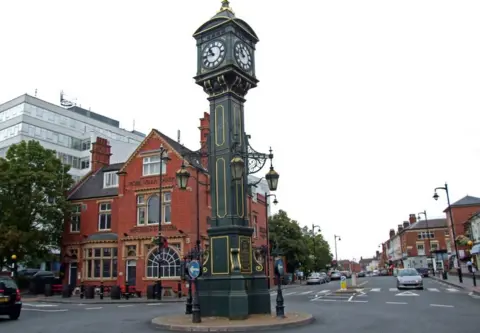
(475, 249)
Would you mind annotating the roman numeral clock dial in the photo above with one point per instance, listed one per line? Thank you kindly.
(213, 54)
(243, 56)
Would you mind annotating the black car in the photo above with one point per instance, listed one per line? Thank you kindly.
(361, 274)
(10, 299)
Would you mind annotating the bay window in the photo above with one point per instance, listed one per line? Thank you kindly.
(101, 263)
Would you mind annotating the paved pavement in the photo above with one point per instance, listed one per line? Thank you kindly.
(376, 307)
(467, 283)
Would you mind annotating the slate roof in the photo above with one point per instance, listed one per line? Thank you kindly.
(92, 187)
(432, 223)
(467, 201)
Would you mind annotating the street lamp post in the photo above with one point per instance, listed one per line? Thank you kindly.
(436, 196)
(267, 256)
(161, 241)
(280, 304)
(183, 176)
(314, 246)
(336, 237)
(424, 213)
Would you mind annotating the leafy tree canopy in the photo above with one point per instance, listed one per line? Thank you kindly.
(287, 235)
(319, 252)
(33, 205)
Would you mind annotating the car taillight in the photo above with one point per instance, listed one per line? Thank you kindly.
(2, 291)
(19, 297)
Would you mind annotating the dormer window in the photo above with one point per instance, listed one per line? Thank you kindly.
(151, 166)
(110, 179)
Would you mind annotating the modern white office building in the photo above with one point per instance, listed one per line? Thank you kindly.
(67, 130)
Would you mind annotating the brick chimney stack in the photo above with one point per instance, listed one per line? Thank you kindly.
(392, 233)
(204, 133)
(400, 228)
(412, 218)
(406, 225)
(100, 154)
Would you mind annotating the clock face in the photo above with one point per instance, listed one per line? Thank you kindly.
(213, 54)
(243, 56)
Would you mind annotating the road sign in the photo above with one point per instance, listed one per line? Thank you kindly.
(194, 269)
(407, 293)
(343, 282)
(279, 270)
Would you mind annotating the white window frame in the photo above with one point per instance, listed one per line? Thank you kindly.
(104, 209)
(142, 206)
(423, 249)
(76, 219)
(167, 203)
(110, 179)
(151, 163)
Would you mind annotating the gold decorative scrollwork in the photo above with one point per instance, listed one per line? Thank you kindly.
(259, 268)
(235, 260)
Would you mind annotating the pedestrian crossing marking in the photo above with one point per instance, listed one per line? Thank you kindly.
(452, 289)
(433, 289)
(376, 289)
(306, 292)
(393, 289)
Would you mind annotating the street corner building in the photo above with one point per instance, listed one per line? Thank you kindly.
(110, 236)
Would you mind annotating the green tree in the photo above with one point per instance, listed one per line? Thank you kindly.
(287, 235)
(319, 250)
(33, 204)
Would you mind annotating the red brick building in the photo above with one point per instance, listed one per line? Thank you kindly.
(116, 210)
(462, 210)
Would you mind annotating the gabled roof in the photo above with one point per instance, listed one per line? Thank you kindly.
(172, 145)
(92, 187)
(465, 201)
(432, 223)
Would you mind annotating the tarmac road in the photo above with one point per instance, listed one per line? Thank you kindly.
(376, 307)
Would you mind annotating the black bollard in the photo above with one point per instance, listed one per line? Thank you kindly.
(102, 289)
(179, 287)
(127, 294)
(188, 305)
(280, 308)
(474, 278)
(158, 290)
(196, 318)
(82, 290)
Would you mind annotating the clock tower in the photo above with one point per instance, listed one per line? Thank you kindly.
(233, 283)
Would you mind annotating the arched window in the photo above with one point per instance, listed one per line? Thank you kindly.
(153, 209)
(169, 263)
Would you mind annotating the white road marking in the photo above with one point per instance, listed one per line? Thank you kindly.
(452, 289)
(433, 289)
(289, 294)
(152, 304)
(325, 300)
(356, 301)
(400, 303)
(40, 310)
(306, 292)
(375, 289)
(96, 308)
(351, 297)
(393, 289)
(442, 306)
(40, 305)
(324, 291)
(125, 306)
(363, 283)
(407, 293)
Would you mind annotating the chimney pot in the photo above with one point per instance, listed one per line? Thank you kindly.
(412, 219)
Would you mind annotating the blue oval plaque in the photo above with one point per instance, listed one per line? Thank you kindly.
(279, 269)
(194, 269)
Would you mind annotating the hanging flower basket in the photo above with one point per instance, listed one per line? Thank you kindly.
(462, 240)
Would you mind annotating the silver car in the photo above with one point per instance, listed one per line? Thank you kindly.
(409, 278)
(315, 278)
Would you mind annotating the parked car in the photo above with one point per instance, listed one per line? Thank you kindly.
(325, 276)
(335, 275)
(383, 272)
(315, 278)
(361, 274)
(10, 298)
(409, 278)
(423, 271)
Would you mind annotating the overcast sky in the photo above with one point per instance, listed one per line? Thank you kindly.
(368, 105)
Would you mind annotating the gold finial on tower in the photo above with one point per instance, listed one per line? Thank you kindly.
(225, 6)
